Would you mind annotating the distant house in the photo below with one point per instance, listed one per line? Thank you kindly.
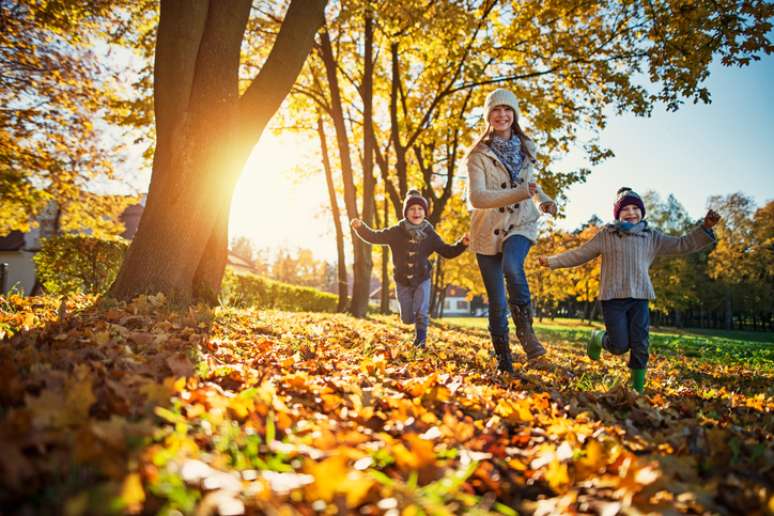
(375, 299)
(19, 269)
(455, 303)
(240, 265)
(17, 250)
(131, 218)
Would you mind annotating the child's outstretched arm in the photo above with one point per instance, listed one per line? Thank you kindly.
(695, 240)
(449, 250)
(379, 237)
(574, 257)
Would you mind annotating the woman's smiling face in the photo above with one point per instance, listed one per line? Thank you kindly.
(501, 118)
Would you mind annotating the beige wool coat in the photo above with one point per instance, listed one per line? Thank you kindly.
(500, 209)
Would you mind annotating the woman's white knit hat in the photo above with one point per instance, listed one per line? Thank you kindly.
(501, 97)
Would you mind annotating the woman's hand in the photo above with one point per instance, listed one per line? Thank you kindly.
(710, 219)
(549, 207)
(543, 260)
(356, 223)
(466, 240)
(532, 189)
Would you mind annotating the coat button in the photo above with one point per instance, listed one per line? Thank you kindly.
(510, 227)
(503, 185)
(502, 210)
(496, 231)
(516, 205)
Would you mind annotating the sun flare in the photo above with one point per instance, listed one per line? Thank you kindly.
(281, 197)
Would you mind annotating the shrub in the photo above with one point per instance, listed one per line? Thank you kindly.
(251, 290)
(79, 263)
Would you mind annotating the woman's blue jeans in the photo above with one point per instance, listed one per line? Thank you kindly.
(505, 271)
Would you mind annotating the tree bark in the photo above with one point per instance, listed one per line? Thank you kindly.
(361, 277)
(363, 268)
(728, 313)
(205, 132)
(385, 298)
(343, 286)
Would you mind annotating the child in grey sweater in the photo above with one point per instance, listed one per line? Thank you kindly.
(628, 247)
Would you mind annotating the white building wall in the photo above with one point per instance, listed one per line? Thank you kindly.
(20, 271)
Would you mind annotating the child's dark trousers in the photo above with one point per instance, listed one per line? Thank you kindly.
(627, 322)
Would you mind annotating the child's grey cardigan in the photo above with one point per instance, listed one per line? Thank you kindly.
(626, 258)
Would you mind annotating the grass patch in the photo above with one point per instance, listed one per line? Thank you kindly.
(755, 350)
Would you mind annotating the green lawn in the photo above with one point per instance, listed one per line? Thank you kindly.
(755, 349)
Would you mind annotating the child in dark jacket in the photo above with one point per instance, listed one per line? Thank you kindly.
(412, 241)
(628, 247)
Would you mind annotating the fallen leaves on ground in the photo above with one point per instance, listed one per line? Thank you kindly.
(139, 408)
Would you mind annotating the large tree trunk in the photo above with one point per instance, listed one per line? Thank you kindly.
(205, 132)
(343, 284)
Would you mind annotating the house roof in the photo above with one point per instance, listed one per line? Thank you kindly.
(455, 291)
(131, 220)
(13, 241)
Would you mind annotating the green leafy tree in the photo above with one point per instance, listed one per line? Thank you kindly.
(78, 263)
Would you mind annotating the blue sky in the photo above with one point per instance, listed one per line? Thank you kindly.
(698, 151)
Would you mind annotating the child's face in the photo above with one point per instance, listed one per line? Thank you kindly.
(501, 118)
(415, 214)
(630, 213)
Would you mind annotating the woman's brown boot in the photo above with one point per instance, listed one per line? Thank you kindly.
(522, 317)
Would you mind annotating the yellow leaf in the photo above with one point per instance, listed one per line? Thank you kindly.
(102, 338)
(132, 493)
(328, 476)
(556, 476)
(357, 487)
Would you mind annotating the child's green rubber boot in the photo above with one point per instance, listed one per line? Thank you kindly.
(638, 380)
(594, 346)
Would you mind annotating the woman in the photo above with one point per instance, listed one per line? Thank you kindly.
(504, 222)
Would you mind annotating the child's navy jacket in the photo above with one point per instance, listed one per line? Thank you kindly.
(410, 256)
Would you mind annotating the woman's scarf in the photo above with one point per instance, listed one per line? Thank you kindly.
(509, 153)
(417, 231)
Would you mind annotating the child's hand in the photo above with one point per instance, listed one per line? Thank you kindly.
(710, 219)
(543, 261)
(549, 207)
(532, 189)
(356, 223)
(466, 240)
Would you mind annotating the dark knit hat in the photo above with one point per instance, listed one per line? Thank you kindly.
(413, 197)
(627, 196)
